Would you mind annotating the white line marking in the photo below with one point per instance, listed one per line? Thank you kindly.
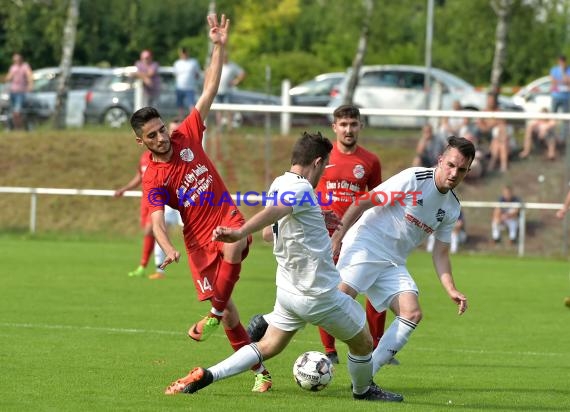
(312, 342)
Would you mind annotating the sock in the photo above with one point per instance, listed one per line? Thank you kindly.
(327, 340)
(376, 322)
(360, 369)
(242, 360)
(393, 340)
(495, 231)
(159, 256)
(454, 242)
(228, 275)
(148, 245)
(237, 336)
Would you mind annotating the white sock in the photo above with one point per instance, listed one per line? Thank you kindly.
(241, 361)
(360, 369)
(394, 339)
(495, 231)
(159, 257)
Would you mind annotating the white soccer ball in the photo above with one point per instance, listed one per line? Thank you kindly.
(313, 371)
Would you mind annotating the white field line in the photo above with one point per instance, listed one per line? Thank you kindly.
(167, 332)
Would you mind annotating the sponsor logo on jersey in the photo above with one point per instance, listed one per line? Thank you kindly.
(358, 171)
(440, 215)
(187, 155)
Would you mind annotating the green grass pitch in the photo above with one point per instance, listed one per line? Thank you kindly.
(76, 334)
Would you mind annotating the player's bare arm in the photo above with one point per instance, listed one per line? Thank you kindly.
(218, 36)
(354, 211)
(161, 235)
(442, 266)
(260, 220)
(134, 182)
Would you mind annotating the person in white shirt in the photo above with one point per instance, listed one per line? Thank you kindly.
(232, 75)
(380, 230)
(187, 73)
(307, 279)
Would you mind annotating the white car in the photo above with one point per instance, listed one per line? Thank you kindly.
(317, 91)
(402, 87)
(535, 96)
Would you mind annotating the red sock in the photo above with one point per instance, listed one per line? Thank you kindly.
(327, 340)
(237, 336)
(228, 275)
(148, 247)
(376, 322)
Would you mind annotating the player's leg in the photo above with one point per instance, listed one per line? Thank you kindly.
(376, 322)
(408, 314)
(245, 358)
(346, 320)
(148, 243)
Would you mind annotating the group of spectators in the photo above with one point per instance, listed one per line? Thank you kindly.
(187, 72)
(189, 76)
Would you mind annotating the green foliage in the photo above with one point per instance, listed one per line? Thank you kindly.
(277, 32)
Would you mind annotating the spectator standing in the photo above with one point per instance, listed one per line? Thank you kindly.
(21, 81)
(232, 75)
(187, 72)
(560, 91)
(506, 217)
(147, 71)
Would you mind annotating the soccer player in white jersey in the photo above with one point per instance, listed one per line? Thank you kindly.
(381, 229)
(307, 279)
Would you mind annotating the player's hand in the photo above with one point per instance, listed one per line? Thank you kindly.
(119, 193)
(332, 221)
(561, 213)
(460, 300)
(172, 256)
(225, 234)
(336, 242)
(218, 32)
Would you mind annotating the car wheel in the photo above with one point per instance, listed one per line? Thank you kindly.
(115, 117)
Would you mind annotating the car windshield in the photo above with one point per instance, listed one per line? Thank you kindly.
(115, 82)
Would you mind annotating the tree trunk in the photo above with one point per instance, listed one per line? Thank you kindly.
(503, 9)
(68, 46)
(360, 52)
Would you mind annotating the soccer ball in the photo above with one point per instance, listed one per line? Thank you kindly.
(313, 371)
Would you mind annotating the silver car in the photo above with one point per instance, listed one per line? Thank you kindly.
(535, 96)
(111, 99)
(402, 87)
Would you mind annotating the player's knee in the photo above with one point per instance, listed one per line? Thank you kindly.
(361, 344)
(414, 315)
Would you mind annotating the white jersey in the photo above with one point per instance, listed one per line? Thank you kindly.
(410, 209)
(302, 245)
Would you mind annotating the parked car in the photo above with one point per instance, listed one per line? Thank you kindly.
(111, 99)
(317, 91)
(40, 102)
(402, 87)
(535, 96)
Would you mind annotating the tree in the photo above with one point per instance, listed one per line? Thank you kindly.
(360, 51)
(503, 10)
(69, 32)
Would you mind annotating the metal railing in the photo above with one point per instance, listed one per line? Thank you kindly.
(34, 192)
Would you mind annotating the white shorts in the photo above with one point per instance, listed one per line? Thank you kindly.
(334, 311)
(172, 216)
(379, 281)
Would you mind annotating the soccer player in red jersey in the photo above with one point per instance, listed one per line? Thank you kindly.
(352, 170)
(181, 175)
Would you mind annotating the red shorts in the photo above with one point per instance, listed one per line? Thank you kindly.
(145, 214)
(205, 262)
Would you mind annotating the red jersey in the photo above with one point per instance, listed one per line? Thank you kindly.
(347, 175)
(190, 183)
(143, 163)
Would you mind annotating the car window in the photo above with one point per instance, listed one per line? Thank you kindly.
(45, 82)
(412, 80)
(167, 82)
(82, 81)
(379, 79)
